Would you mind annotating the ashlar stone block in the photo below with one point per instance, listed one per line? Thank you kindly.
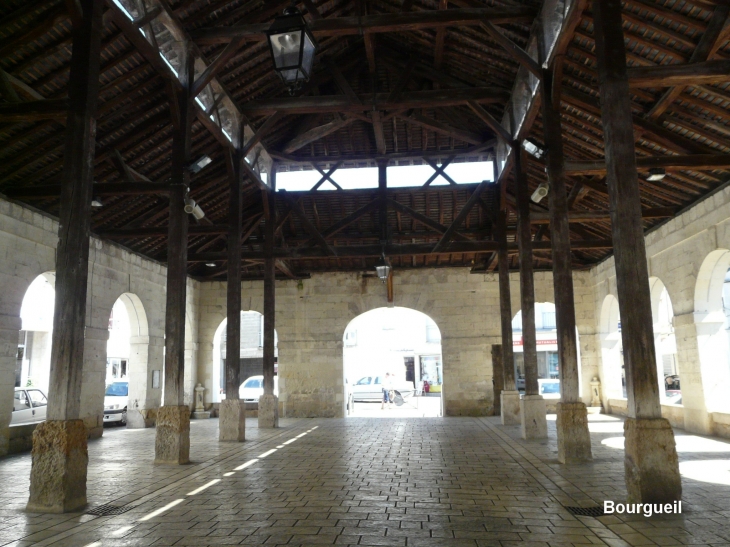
(268, 411)
(172, 439)
(650, 461)
(232, 421)
(58, 471)
(574, 439)
(533, 417)
(511, 408)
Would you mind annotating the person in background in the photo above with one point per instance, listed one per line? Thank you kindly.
(387, 388)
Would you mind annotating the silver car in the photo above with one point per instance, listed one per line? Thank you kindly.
(29, 405)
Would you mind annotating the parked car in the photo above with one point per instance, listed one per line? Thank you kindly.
(115, 402)
(253, 388)
(549, 388)
(370, 388)
(29, 405)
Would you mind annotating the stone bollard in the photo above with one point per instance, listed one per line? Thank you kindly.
(199, 412)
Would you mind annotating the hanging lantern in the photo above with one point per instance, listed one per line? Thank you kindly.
(383, 269)
(292, 47)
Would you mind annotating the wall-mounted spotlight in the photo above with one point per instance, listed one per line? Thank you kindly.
(656, 173)
(533, 149)
(542, 190)
(96, 202)
(194, 209)
(198, 166)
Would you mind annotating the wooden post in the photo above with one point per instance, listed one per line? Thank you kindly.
(510, 397)
(58, 473)
(498, 377)
(383, 194)
(172, 440)
(532, 405)
(268, 402)
(574, 440)
(652, 469)
(232, 413)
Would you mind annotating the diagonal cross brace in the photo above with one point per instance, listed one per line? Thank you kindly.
(461, 217)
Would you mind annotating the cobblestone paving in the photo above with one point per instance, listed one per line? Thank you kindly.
(395, 482)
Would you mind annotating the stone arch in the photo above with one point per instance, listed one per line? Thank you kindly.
(143, 399)
(217, 373)
(665, 344)
(36, 314)
(612, 380)
(365, 353)
(713, 342)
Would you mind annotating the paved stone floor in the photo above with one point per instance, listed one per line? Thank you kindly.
(358, 481)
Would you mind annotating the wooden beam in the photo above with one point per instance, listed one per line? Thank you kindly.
(269, 306)
(517, 53)
(379, 23)
(369, 39)
(423, 219)
(601, 216)
(6, 88)
(218, 63)
(378, 131)
(326, 176)
(632, 276)
(160, 231)
(443, 128)
(261, 132)
(698, 162)
(461, 216)
(493, 124)
(345, 222)
(98, 189)
(311, 228)
(233, 286)
(72, 254)
(340, 103)
(392, 250)
(505, 305)
(316, 134)
(707, 72)
(341, 81)
(33, 111)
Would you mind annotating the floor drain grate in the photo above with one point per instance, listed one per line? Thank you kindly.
(107, 510)
(586, 511)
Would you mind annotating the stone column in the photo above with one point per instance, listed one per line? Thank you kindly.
(141, 404)
(172, 440)
(651, 464)
(232, 417)
(269, 402)
(533, 411)
(497, 377)
(10, 326)
(60, 458)
(510, 397)
(574, 439)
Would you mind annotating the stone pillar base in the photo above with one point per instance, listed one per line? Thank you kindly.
(232, 421)
(58, 472)
(533, 417)
(650, 461)
(510, 407)
(268, 411)
(172, 439)
(574, 440)
(140, 419)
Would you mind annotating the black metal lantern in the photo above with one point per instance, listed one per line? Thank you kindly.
(292, 47)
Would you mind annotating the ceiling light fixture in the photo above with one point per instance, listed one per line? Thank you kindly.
(656, 173)
(383, 268)
(292, 48)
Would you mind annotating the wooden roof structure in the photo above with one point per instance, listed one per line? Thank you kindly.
(405, 82)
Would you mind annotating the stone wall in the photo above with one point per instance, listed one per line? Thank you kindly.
(312, 315)
(689, 256)
(28, 242)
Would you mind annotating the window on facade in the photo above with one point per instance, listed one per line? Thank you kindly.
(351, 338)
(433, 334)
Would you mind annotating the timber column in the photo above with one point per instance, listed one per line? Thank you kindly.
(510, 397)
(172, 440)
(497, 377)
(232, 420)
(268, 402)
(574, 439)
(652, 468)
(60, 457)
(532, 406)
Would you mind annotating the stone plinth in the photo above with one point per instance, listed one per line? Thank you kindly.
(232, 421)
(172, 440)
(574, 440)
(510, 407)
(533, 417)
(58, 473)
(204, 415)
(650, 461)
(268, 411)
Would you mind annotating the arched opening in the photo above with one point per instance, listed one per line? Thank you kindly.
(397, 348)
(33, 365)
(665, 343)
(613, 372)
(130, 390)
(252, 357)
(712, 309)
(548, 363)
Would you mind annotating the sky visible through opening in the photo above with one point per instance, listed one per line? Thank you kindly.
(398, 176)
